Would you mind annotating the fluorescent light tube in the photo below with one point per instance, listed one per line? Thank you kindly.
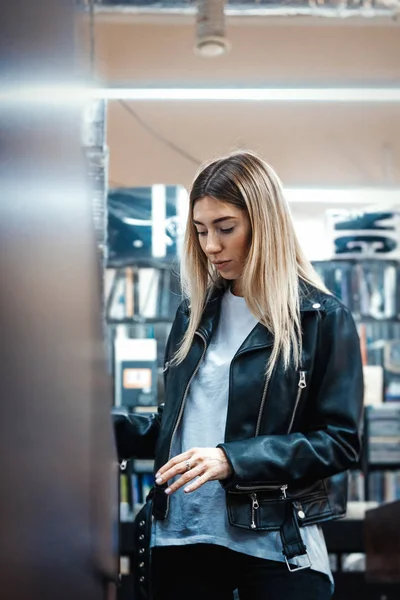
(254, 94)
(43, 95)
(381, 196)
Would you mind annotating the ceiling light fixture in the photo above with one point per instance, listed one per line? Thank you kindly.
(210, 29)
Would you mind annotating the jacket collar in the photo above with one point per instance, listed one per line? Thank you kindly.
(211, 313)
(311, 300)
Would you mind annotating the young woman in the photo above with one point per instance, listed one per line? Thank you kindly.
(263, 401)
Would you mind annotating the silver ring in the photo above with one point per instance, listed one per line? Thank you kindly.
(188, 465)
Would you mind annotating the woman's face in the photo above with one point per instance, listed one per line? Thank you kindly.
(224, 234)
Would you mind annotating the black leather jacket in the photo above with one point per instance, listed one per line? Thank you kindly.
(292, 438)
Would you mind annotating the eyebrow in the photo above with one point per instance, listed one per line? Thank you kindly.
(215, 220)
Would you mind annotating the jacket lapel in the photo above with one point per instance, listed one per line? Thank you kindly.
(260, 336)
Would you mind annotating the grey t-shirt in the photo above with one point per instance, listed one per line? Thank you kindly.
(201, 516)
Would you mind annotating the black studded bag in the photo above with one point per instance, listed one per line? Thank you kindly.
(141, 554)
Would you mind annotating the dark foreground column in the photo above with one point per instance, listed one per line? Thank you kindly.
(58, 523)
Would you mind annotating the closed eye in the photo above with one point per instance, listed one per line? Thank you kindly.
(224, 231)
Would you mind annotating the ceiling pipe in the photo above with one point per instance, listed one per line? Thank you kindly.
(365, 9)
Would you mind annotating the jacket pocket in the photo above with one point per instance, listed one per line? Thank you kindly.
(261, 512)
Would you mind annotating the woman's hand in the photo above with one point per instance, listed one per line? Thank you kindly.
(196, 466)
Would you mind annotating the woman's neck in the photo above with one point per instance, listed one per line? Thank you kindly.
(236, 288)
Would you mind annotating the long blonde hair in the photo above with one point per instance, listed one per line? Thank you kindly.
(275, 262)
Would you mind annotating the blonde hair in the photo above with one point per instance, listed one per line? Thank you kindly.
(275, 262)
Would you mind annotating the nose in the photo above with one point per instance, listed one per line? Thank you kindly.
(213, 244)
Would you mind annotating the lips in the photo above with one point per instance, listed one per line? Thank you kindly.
(221, 264)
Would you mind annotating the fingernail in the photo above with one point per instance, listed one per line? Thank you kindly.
(159, 480)
(168, 491)
(158, 475)
(188, 489)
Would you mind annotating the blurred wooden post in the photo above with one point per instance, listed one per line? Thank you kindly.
(382, 544)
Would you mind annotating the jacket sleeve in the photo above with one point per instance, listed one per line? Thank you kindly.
(330, 441)
(136, 434)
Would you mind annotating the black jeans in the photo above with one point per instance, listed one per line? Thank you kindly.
(211, 572)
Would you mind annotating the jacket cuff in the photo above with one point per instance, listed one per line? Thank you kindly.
(229, 483)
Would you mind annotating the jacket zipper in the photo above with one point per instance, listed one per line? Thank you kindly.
(254, 506)
(301, 385)
(264, 396)
(254, 499)
(183, 403)
(260, 488)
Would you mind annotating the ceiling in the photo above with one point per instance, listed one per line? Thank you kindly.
(310, 145)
